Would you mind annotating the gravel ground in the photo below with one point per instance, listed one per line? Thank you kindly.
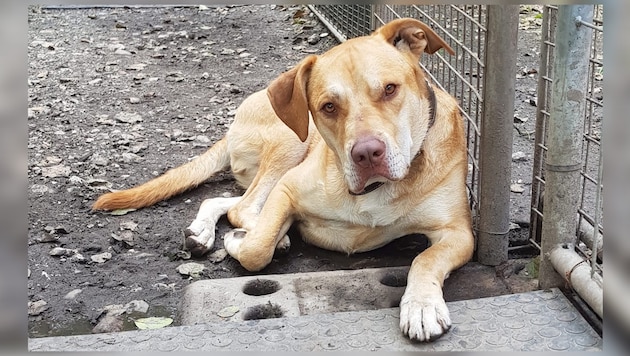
(117, 96)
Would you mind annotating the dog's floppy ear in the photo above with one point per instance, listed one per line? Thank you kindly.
(287, 94)
(416, 35)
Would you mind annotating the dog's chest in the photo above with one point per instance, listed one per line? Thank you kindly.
(377, 209)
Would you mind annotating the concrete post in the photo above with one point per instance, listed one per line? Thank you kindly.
(564, 140)
(495, 150)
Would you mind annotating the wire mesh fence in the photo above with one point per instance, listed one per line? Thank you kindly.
(589, 229)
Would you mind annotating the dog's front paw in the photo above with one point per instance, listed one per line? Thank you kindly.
(424, 318)
(199, 237)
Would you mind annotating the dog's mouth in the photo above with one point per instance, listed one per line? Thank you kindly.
(372, 163)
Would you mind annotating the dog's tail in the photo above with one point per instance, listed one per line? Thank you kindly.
(171, 183)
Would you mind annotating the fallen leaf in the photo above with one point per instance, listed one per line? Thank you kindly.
(121, 211)
(152, 323)
(192, 269)
(228, 312)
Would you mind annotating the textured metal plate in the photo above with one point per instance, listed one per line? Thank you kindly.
(534, 321)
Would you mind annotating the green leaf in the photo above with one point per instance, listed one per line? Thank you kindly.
(152, 323)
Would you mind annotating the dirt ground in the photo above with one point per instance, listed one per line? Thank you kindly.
(117, 96)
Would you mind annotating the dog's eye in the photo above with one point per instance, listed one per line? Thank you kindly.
(390, 89)
(329, 108)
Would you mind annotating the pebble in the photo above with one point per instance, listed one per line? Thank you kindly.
(139, 306)
(101, 257)
(41, 189)
(56, 171)
(61, 251)
(128, 117)
(36, 308)
(517, 188)
(218, 256)
(519, 156)
(73, 294)
(313, 39)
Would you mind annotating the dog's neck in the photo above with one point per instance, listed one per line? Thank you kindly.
(432, 107)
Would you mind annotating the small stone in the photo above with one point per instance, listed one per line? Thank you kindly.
(56, 171)
(129, 225)
(139, 306)
(36, 308)
(61, 251)
(125, 237)
(517, 188)
(134, 100)
(47, 238)
(40, 189)
(122, 52)
(218, 256)
(101, 257)
(520, 120)
(99, 160)
(109, 323)
(128, 117)
(519, 156)
(129, 157)
(137, 66)
(72, 294)
(313, 39)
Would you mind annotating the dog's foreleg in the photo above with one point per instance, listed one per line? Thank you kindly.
(254, 249)
(424, 315)
(200, 234)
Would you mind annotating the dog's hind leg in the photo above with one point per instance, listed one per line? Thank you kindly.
(200, 234)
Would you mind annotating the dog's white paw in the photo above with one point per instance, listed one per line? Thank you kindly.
(424, 318)
(199, 237)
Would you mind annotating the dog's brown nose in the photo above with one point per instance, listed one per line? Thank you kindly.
(368, 153)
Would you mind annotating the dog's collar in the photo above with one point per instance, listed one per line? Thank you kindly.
(432, 103)
(370, 188)
(432, 107)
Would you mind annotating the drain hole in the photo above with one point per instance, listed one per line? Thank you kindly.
(263, 311)
(259, 287)
(394, 279)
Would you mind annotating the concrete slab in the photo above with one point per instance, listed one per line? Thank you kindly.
(291, 295)
(533, 321)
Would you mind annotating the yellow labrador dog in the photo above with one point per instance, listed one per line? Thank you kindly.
(356, 148)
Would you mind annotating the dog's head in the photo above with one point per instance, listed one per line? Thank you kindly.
(368, 98)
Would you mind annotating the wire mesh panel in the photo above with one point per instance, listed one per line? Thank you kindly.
(350, 20)
(590, 222)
